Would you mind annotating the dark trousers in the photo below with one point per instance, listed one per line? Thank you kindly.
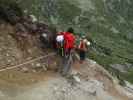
(82, 55)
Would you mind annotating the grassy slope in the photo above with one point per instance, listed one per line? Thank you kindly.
(121, 47)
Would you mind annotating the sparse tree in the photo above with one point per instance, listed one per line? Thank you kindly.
(50, 9)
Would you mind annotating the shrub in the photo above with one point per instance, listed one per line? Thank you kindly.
(10, 11)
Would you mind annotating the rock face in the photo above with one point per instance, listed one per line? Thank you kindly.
(8, 48)
(17, 49)
(122, 68)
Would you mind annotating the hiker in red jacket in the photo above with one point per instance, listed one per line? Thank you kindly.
(69, 41)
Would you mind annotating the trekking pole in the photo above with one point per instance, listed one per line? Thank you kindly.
(27, 62)
(62, 52)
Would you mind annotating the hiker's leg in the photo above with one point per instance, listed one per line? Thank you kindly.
(82, 56)
(67, 66)
(61, 66)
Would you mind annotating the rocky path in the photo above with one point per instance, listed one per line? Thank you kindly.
(86, 82)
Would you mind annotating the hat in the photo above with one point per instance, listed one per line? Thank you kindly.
(83, 37)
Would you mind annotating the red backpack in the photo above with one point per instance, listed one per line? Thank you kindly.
(69, 40)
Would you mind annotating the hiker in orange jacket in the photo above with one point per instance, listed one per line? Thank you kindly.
(83, 46)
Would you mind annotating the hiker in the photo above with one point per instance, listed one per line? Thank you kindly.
(69, 42)
(44, 40)
(60, 43)
(83, 46)
(48, 38)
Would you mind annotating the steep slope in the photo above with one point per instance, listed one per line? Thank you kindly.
(107, 22)
(31, 81)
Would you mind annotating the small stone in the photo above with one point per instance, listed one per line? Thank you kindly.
(9, 61)
(34, 19)
(32, 80)
(74, 72)
(63, 90)
(55, 63)
(76, 78)
(44, 68)
(7, 55)
(32, 64)
(25, 70)
(92, 62)
(38, 65)
(29, 51)
(34, 71)
(55, 88)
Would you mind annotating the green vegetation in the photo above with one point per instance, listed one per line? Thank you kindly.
(10, 11)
